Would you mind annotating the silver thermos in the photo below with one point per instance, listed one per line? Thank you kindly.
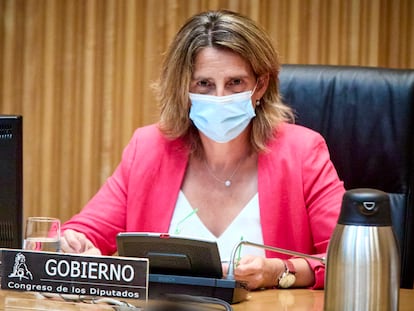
(363, 263)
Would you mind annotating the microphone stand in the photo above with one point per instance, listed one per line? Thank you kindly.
(230, 274)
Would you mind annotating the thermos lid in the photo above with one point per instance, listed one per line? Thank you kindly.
(366, 207)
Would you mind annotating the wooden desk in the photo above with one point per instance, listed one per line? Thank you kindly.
(292, 300)
(302, 300)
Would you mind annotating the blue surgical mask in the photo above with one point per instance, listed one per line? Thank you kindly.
(221, 118)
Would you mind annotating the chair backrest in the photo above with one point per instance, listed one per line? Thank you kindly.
(366, 115)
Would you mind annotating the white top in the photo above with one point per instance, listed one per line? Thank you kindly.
(246, 226)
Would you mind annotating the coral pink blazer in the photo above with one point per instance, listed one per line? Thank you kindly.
(299, 190)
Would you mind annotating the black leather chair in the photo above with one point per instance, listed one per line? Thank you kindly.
(366, 115)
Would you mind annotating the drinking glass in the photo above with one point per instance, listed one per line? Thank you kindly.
(42, 234)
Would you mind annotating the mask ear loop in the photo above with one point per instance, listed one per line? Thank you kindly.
(254, 89)
(257, 102)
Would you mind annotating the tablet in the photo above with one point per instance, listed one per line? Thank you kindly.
(171, 254)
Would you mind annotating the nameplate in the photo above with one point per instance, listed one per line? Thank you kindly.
(119, 277)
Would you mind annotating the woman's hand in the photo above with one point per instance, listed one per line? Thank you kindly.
(76, 242)
(258, 272)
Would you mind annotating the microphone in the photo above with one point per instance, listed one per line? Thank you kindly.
(230, 274)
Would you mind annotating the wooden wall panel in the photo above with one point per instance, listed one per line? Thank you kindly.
(79, 71)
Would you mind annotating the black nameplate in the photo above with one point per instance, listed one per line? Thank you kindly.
(123, 278)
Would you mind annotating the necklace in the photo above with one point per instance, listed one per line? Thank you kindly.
(226, 182)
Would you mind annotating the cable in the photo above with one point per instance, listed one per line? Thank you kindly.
(119, 305)
(173, 302)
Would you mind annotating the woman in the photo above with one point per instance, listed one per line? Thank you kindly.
(224, 162)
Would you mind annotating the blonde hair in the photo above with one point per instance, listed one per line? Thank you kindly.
(219, 29)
